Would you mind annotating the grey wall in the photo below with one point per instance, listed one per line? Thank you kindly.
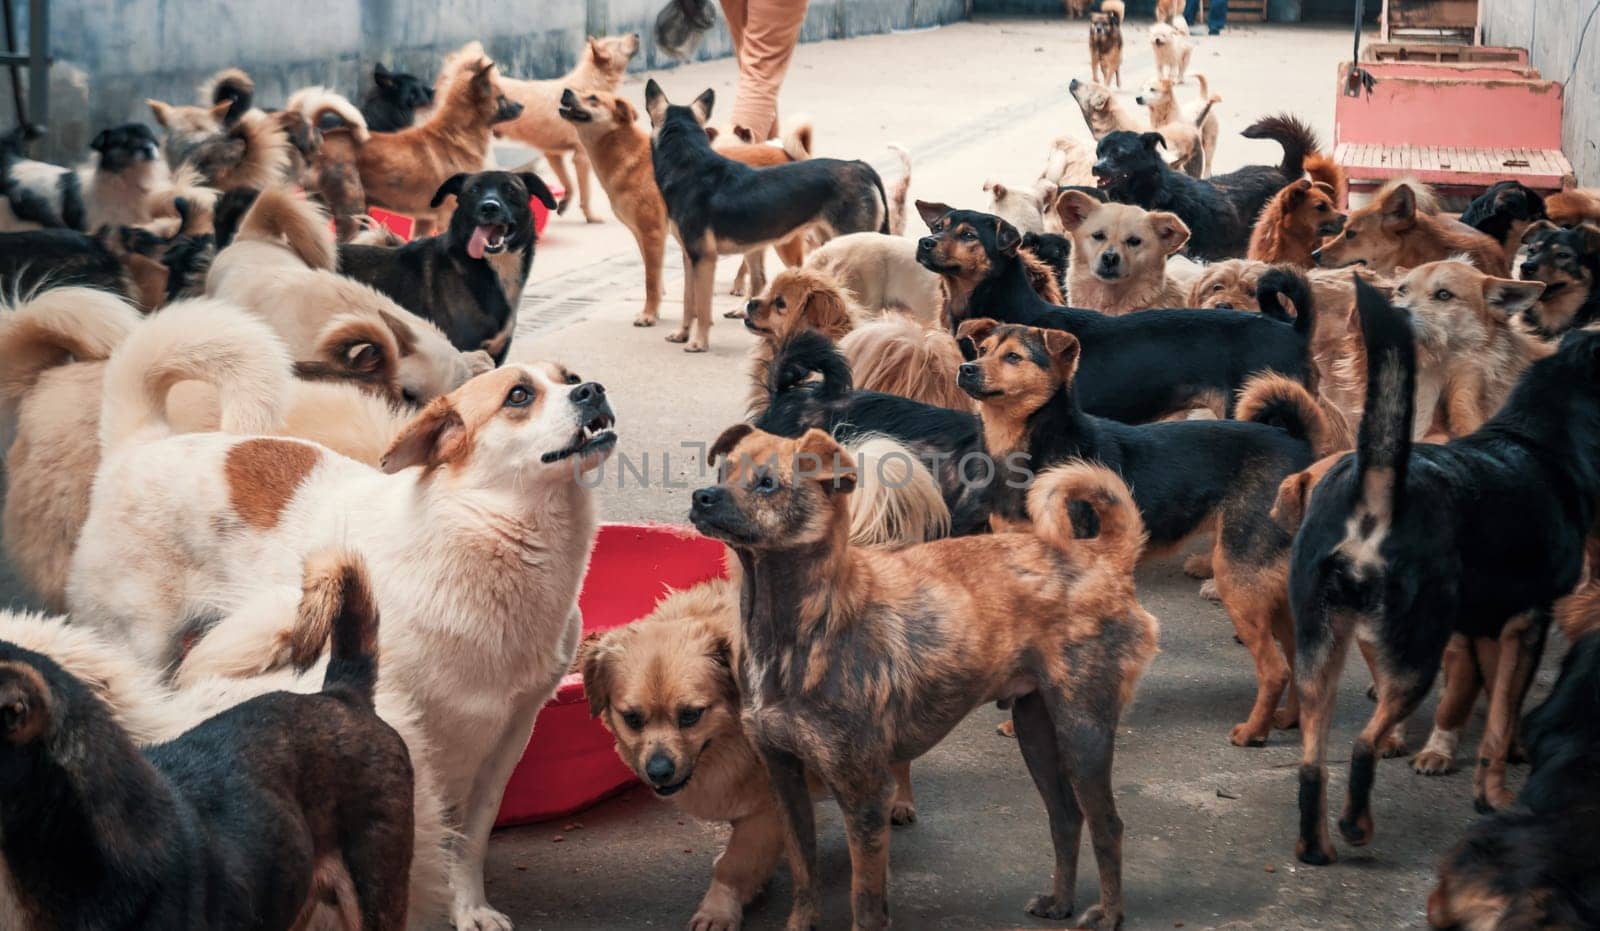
(1563, 41)
(112, 54)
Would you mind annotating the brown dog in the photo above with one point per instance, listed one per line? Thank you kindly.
(1175, 125)
(1119, 254)
(853, 660)
(1402, 228)
(897, 354)
(1569, 208)
(1295, 222)
(1105, 44)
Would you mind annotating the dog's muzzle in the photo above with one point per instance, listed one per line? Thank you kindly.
(662, 773)
(571, 110)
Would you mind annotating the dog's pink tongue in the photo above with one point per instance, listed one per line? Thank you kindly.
(478, 242)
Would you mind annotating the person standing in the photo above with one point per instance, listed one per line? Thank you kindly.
(764, 34)
(1216, 14)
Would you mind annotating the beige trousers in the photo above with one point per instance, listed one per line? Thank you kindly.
(764, 36)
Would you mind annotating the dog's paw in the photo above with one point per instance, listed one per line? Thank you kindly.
(1006, 728)
(1208, 590)
(1198, 566)
(1317, 854)
(1244, 735)
(713, 920)
(695, 346)
(678, 337)
(1489, 801)
(593, 218)
(734, 314)
(1097, 918)
(1048, 906)
(1433, 762)
(1392, 746)
(902, 812)
(479, 918)
(643, 320)
(1357, 831)
(737, 288)
(561, 206)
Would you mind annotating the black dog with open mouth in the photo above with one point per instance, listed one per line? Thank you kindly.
(468, 279)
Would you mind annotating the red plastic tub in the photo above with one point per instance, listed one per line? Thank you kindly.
(570, 764)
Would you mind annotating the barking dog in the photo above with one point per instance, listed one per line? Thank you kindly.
(287, 802)
(1119, 255)
(469, 279)
(1220, 211)
(1402, 228)
(113, 188)
(395, 100)
(952, 626)
(1105, 45)
(717, 206)
(1568, 263)
(1479, 539)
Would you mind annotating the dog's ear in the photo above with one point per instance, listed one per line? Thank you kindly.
(598, 51)
(1539, 227)
(1295, 193)
(1400, 209)
(931, 211)
(1064, 352)
(721, 656)
(432, 438)
(1006, 237)
(161, 111)
(1324, 187)
(995, 189)
(1153, 141)
(820, 457)
(219, 112)
(1170, 229)
(728, 442)
(1511, 297)
(825, 308)
(1099, 100)
(538, 188)
(712, 133)
(1074, 207)
(1591, 237)
(382, 78)
(594, 664)
(1289, 507)
(977, 329)
(655, 102)
(744, 134)
(25, 704)
(626, 114)
(450, 188)
(483, 78)
(702, 105)
(101, 141)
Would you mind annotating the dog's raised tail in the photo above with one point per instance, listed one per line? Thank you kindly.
(202, 339)
(1284, 281)
(235, 87)
(282, 216)
(1383, 442)
(797, 358)
(328, 111)
(1324, 170)
(1298, 140)
(1116, 531)
(53, 328)
(1279, 401)
(899, 190)
(797, 141)
(338, 608)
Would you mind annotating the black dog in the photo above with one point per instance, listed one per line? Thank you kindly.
(1054, 250)
(59, 258)
(394, 99)
(1135, 368)
(1504, 211)
(468, 279)
(55, 197)
(1220, 211)
(1407, 545)
(721, 207)
(248, 820)
(1534, 866)
(949, 442)
(1568, 262)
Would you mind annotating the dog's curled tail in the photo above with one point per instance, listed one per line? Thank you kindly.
(1324, 170)
(897, 502)
(56, 327)
(899, 191)
(1383, 442)
(282, 216)
(202, 339)
(797, 358)
(1118, 530)
(1279, 401)
(337, 605)
(1282, 281)
(1298, 140)
(797, 141)
(1205, 87)
(231, 85)
(329, 111)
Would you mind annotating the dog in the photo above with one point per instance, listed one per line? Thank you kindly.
(1172, 48)
(229, 149)
(1102, 112)
(225, 97)
(717, 206)
(1401, 228)
(1478, 540)
(395, 100)
(37, 260)
(1076, 8)
(469, 279)
(1296, 222)
(1105, 45)
(1167, 11)
(1567, 261)
(1119, 255)
(1069, 163)
(1184, 132)
(1135, 368)
(280, 267)
(1019, 206)
(112, 189)
(539, 125)
(1219, 211)
(1504, 211)
(1053, 250)
(896, 354)
(519, 436)
(960, 623)
(298, 800)
(881, 273)
(751, 278)
(1530, 864)
(1573, 206)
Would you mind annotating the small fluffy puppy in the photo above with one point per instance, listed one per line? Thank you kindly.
(1505, 211)
(882, 273)
(600, 67)
(1172, 48)
(114, 187)
(225, 97)
(1105, 44)
(1119, 255)
(1402, 228)
(1295, 222)
(801, 298)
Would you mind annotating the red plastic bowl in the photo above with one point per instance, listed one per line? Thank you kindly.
(570, 764)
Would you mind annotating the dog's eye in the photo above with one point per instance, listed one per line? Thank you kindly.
(633, 719)
(519, 397)
(1012, 358)
(1322, 208)
(1217, 287)
(1250, 291)
(689, 717)
(1098, 237)
(1400, 291)
(1563, 256)
(572, 378)
(969, 235)
(1135, 241)
(778, 303)
(766, 484)
(1443, 295)
(1349, 236)
(410, 397)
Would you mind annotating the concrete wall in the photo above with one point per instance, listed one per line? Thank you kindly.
(113, 54)
(1563, 41)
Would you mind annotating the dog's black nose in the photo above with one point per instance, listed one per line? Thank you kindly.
(925, 244)
(590, 392)
(1316, 256)
(1529, 269)
(1110, 259)
(968, 370)
(752, 305)
(490, 211)
(706, 497)
(1072, 85)
(660, 769)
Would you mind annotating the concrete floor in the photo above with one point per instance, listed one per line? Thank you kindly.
(1209, 828)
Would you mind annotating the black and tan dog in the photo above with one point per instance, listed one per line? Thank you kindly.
(856, 659)
(1405, 545)
(1135, 368)
(394, 100)
(1568, 262)
(468, 279)
(1504, 212)
(718, 206)
(255, 818)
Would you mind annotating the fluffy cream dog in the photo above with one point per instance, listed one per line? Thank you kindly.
(280, 267)
(882, 273)
(477, 532)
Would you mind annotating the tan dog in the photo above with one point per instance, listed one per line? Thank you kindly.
(1402, 228)
(1295, 222)
(1019, 206)
(1105, 44)
(1119, 255)
(1167, 11)
(1070, 162)
(1571, 207)
(1166, 117)
(1172, 49)
(881, 273)
(1102, 111)
(896, 354)
(600, 67)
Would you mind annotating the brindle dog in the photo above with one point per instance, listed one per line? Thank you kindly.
(857, 659)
